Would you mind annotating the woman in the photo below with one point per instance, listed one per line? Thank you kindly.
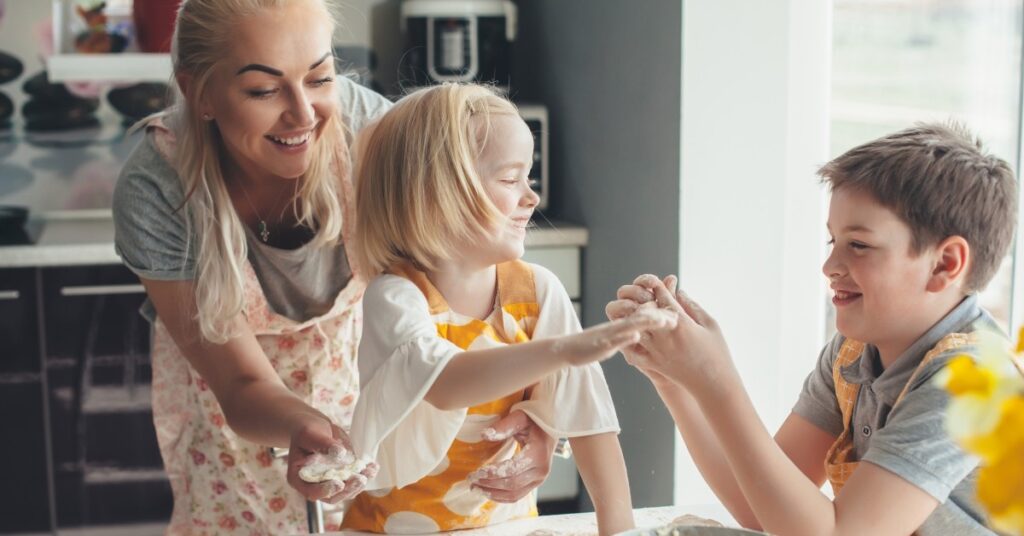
(234, 211)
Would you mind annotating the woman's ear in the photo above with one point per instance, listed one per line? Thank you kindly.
(952, 263)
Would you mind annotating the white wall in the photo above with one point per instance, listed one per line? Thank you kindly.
(754, 128)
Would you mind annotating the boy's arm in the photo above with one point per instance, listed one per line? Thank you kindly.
(802, 442)
(779, 494)
(603, 469)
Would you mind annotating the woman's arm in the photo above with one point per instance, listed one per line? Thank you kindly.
(477, 376)
(256, 404)
(603, 469)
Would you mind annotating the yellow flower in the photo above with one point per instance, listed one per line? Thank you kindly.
(964, 377)
(1006, 438)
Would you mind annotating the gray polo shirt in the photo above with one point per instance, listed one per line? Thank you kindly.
(910, 440)
(152, 238)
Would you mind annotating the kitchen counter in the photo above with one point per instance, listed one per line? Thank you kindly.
(585, 524)
(87, 238)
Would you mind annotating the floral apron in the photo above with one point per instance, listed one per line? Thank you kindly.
(222, 483)
(443, 500)
(838, 462)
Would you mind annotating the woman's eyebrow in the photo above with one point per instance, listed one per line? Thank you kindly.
(272, 71)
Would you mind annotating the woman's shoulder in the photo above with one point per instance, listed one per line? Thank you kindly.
(147, 171)
(360, 105)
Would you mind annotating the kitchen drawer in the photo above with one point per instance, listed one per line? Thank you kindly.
(94, 309)
(564, 262)
(19, 322)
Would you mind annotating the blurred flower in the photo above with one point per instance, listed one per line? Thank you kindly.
(986, 416)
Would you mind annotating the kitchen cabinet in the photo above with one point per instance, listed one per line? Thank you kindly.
(75, 391)
(75, 384)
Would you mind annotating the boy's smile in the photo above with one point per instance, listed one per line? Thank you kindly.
(879, 282)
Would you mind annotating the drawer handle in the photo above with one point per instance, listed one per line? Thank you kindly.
(101, 290)
(9, 294)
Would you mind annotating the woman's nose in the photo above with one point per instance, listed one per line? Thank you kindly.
(301, 110)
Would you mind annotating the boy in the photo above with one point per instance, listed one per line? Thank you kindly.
(920, 221)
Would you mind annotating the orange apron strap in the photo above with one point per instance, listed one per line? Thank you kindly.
(516, 284)
(846, 393)
(947, 343)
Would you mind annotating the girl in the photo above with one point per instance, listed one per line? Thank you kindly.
(446, 345)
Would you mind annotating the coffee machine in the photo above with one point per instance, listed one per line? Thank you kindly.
(457, 41)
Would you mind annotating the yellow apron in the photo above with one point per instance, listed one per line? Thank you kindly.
(838, 462)
(444, 496)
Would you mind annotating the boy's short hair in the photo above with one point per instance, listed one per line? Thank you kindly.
(938, 179)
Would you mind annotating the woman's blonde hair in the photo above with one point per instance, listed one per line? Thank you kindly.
(202, 34)
(418, 194)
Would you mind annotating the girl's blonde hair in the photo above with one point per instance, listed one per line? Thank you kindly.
(418, 194)
(203, 33)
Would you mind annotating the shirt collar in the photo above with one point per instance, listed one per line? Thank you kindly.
(888, 385)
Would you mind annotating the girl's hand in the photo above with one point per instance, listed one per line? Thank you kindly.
(694, 354)
(604, 340)
(632, 298)
(513, 479)
(323, 437)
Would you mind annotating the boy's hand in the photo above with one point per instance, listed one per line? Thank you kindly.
(694, 354)
(632, 298)
(604, 340)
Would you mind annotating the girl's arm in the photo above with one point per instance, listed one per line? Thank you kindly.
(603, 469)
(256, 404)
(477, 376)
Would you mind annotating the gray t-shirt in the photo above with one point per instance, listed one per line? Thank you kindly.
(152, 239)
(910, 440)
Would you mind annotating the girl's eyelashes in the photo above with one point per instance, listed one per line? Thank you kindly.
(322, 81)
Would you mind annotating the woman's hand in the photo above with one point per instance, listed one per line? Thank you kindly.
(513, 479)
(318, 436)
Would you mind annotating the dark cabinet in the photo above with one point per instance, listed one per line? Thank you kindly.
(88, 363)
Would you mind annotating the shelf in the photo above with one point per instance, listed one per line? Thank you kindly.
(120, 67)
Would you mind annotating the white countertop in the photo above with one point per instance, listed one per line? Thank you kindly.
(584, 524)
(88, 238)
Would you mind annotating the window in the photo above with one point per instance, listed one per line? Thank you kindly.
(897, 62)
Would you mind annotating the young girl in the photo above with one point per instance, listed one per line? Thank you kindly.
(444, 200)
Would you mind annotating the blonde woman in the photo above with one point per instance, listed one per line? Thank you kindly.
(235, 212)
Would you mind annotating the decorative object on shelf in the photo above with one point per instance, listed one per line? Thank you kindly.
(154, 23)
(52, 107)
(986, 416)
(10, 67)
(138, 101)
(97, 38)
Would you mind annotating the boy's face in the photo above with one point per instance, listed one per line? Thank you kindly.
(879, 283)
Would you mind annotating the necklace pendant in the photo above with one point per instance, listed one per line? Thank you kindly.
(264, 233)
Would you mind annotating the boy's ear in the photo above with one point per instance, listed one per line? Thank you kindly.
(952, 262)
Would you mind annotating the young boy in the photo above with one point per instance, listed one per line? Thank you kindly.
(920, 221)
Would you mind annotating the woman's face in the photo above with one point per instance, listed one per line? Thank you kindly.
(274, 93)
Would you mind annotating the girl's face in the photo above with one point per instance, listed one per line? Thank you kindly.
(275, 91)
(504, 167)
